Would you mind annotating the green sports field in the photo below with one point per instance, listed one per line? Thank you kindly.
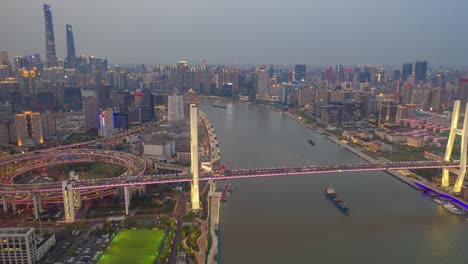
(133, 246)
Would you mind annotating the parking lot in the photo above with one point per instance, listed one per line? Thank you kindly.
(88, 250)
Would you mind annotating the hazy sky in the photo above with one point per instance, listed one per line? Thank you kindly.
(245, 31)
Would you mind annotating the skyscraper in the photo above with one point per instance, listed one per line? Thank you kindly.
(420, 71)
(262, 83)
(4, 58)
(29, 129)
(51, 56)
(71, 54)
(8, 86)
(175, 108)
(91, 112)
(462, 93)
(300, 72)
(106, 123)
(70, 43)
(406, 71)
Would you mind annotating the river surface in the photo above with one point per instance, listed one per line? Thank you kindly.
(289, 220)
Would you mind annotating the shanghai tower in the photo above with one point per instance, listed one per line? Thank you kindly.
(51, 56)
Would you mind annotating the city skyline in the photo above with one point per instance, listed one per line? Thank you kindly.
(200, 31)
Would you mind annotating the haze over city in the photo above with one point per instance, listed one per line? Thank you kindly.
(184, 132)
(246, 32)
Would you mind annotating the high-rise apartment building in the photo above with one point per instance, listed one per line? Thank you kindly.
(462, 93)
(106, 123)
(262, 83)
(49, 124)
(299, 72)
(175, 108)
(406, 93)
(406, 71)
(104, 96)
(91, 112)
(388, 113)
(436, 99)
(29, 129)
(4, 58)
(305, 96)
(122, 101)
(51, 56)
(420, 71)
(6, 87)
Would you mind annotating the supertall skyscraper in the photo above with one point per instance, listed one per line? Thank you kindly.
(51, 56)
(70, 43)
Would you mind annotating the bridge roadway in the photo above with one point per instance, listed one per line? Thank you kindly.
(108, 140)
(106, 183)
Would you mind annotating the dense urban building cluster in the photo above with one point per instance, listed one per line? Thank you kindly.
(34, 92)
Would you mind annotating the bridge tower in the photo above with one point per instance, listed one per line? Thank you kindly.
(194, 157)
(454, 131)
(68, 201)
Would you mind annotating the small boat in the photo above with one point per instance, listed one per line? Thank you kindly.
(438, 201)
(311, 142)
(452, 208)
(331, 195)
(220, 106)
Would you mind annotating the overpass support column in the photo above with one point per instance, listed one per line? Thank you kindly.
(101, 195)
(13, 203)
(127, 199)
(36, 208)
(5, 204)
(451, 140)
(195, 196)
(68, 201)
(457, 188)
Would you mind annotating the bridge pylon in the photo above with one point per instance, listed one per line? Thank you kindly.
(454, 131)
(68, 201)
(195, 194)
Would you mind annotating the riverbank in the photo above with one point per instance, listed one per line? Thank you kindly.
(417, 183)
(215, 152)
(213, 196)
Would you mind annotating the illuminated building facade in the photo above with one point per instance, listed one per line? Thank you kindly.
(6, 87)
(29, 129)
(18, 245)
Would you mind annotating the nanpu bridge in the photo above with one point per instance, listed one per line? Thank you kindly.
(71, 191)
